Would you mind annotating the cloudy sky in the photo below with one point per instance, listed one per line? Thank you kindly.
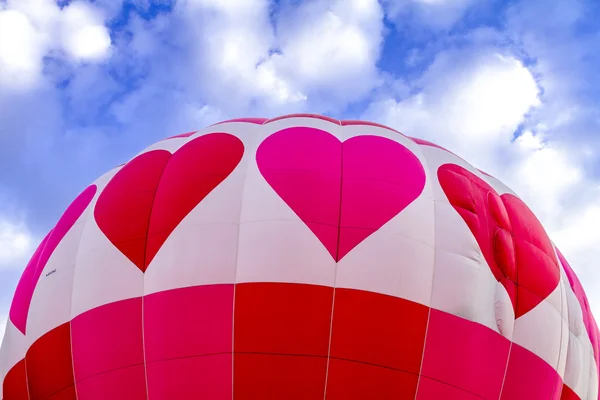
(511, 86)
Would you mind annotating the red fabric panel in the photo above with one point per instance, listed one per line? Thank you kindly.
(282, 318)
(124, 206)
(465, 354)
(48, 362)
(121, 384)
(378, 329)
(108, 339)
(67, 393)
(350, 380)
(528, 377)
(278, 377)
(203, 377)
(430, 389)
(14, 386)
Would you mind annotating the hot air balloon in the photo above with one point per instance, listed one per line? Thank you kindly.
(299, 257)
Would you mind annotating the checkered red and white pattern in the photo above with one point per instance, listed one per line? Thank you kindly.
(298, 258)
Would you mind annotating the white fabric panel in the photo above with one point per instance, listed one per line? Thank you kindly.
(564, 339)
(171, 145)
(578, 367)
(203, 248)
(275, 245)
(499, 186)
(51, 302)
(391, 264)
(539, 331)
(592, 393)
(13, 349)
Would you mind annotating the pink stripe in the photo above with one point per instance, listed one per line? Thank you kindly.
(19, 308)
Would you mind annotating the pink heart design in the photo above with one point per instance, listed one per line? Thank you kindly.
(146, 200)
(342, 191)
(19, 308)
(513, 241)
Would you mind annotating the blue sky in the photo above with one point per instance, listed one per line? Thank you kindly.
(510, 86)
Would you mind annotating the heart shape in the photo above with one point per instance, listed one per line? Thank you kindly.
(343, 191)
(19, 308)
(512, 240)
(146, 200)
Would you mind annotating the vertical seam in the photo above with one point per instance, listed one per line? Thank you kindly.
(516, 282)
(560, 285)
(90, 210)
(237, 257)
(145, 254)
(71, 302)
(46, 239)
(337, 254)
(90, 216)
(429, 306)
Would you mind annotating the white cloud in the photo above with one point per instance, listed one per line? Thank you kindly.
(469, 102)
(20, 50)
(544, 176)
(317, 54)
(15, 244)
(32, 29)
(84, 35)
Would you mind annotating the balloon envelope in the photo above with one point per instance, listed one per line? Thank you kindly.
(299, 257)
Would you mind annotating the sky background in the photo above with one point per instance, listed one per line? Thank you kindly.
(511, 86)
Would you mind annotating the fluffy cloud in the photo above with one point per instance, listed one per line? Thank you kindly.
(245, 56)
(15, 243)
(471, 102)
(33, 29)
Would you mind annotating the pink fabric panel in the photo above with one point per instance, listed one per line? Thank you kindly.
(120, 384)
(464, 354)
(188, 322)
(528, 377)
(370, 178)
(201, 377)
(106, 340)
(380, 179)
(303, 165)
